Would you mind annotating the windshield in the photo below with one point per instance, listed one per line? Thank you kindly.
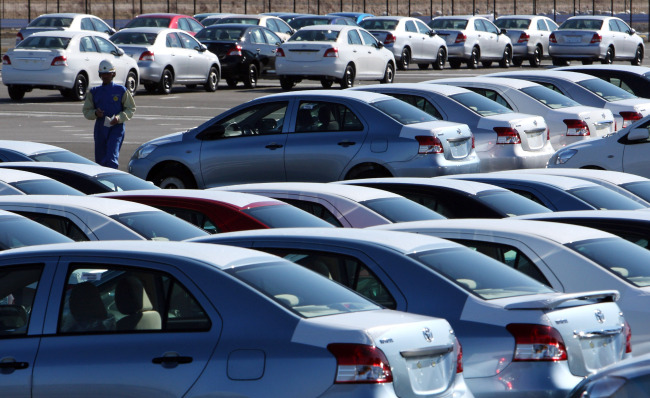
(480, 274)
(216, 32)
(51, 22)
(512, 23)
(400, 209)
(46, 187)
(447, 23)
(315, 35)
(550, 98)
(480, 104)
(149, 22)
(302, 22)
(61, 156)
(605, 199)
(124, 182)
(158, 225)
(582, 24)
(301, 290)
(19, 231)
(46, 42)
(246, 21)
(606, 90)
(402, 112)
(511, 204)
(379, 24)
(137, 38)
(640, 189)
(623, 258)
(285, 216)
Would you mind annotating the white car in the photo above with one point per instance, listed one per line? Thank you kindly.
(64, 60)
(625, 151)
(473, 39)
(588, 90)
(333, 53)
(20, 182)
(64, 21)
(410, 40)
(592, 38)
(18, 151)
(271, 22)
(503, 139)
(567, 120)
(529, 35)
(169, 56)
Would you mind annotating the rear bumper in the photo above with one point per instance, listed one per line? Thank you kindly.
(569, 52)
(455, 51)
(507, 157)
(309, 70)
(435, 165)
(53, 79)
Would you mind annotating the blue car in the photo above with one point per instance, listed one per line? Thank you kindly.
(357, 16)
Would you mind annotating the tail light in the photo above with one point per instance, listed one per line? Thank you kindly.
(596, 38)
(429, 144)
(19, 37)
(507, 135)
(523, 37)
(359, 363)
(331, 52)
(552, 39)
(548, 134)
(459, 358)
(59, 61)
(473, 142)
(147, 56)
(234, 51)
(628, 337)
(537, 343)
(576, 127)
(460, 38)
(630, 117)
(6, 60)
(390, 39)
(279, 52)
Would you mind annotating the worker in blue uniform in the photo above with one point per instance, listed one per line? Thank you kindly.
(110, 105)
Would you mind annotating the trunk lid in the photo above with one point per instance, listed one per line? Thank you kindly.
(456, 138)
(448, 35)
(33, 59)
(532, 131)
(600, 121)
(305, 52)
(136, 51)
(574, 36)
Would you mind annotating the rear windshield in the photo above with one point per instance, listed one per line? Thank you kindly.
(124, 182)
(623, 258)
(379, 24)
(510, 203)
(582, 24)
(301, 290)
(285, 216)
(479, 104)
(20, 231)
(158, 225)
(479, 274)
(605, 199)
(403, 112)
(445, 23)
(302, 22)
(245, 21)
(148, 22)
(513, 23)
(46, 187)
(640, 189)
(137, 38)
(606, 90)
(315, 35)
(47, 42)
(220, 33)
(401, 209)
(51, 22)
(61, 156)
(550, 98)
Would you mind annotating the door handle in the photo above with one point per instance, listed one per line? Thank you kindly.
(12, 364)
(258, 50)
(273, 146)
(346, 144)
(178, 360)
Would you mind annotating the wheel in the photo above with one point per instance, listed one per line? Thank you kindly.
(166, 81)
(348, 77)
(638, 56)
(174, 177)
(286, 83)
(131, 82)
(517, 61)
(150, 87)
(326, 83)
(609, 56)
(389, 74)
(506, 59)
(474, 58)
(232, 83)
(441, 58)
(16, 93)
(212, 84)
(423, 66)
(80, 87)
(560, 62)
(535, 60)
(454, 63)
(405, 59)
(486, 64)
(250, 80)
(587, 61)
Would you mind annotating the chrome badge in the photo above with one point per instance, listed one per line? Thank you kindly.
(600, 317)
(535, 122)
(428, 335)
(459, 132)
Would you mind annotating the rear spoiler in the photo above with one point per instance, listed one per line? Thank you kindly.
(600, 296)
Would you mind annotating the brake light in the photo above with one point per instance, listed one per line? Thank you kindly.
(279, 52)
(630, 117)
(59, 61)
(507, 135)
(147, 56)
(473, 142)
(6, 60)
(460, 38)
(234, 51)
(596, 38)
(359, 363)
(19, 37)
(459, 358)
(552, 39)
(548, 134)
(331, 52)
(576, 127)
(429, 144)
(537, 343)
(628, 337)
(390, 39)
(523, 37)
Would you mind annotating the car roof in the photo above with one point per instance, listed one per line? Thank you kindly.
(564, 183)
(501, 81)
(468, 16)
(67, 15)
(352, 192)
(365, 96)
(328, 27)
(632, 215)
(150, 29)
(431, 86)
(106, 206)
(13, 175)
(69, 33)
(259, 16)
(554, 74)
(522, 16)
(86, 169)
(468, 186)
(164, 14)
(238, 199)
(603, 17)
(616, 177)
(28, 147)
(389, 17)
(614, 67)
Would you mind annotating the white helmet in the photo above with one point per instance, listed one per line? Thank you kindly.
(106, 67)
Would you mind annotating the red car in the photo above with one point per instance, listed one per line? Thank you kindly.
(222, 211)
(165, 20)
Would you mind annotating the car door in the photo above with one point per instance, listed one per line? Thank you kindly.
(109, 51)
(178, 57)
(260, 49)
(324, 139)
(414, 39)
(376, 62)
(629, 42)
(429, 43)
(198, 61)
(273, 41)
(498, 41)
(545, 34)
(123, 328)
(91, 56)
(635, 154)
(486, 40)
(358, 52)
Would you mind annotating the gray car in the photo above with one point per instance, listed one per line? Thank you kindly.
(529, 36)
(410, 40)
(317, 136)
(169, 56)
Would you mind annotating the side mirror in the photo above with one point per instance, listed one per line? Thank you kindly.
(201, 48)
(432, 33)
(503, 31)
(638, 134)
(380, 44)
(632, 31)
(119, 52)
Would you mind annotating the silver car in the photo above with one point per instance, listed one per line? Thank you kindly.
(64, 21)
(529, 35)
(410, 40)
(169, 56)
(473, 39)
(592, 38)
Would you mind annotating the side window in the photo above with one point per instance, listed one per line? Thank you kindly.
(541, 25)
(478, 25)
(528, 195)
(105, 46)
(316, 209)
(173, 41)
(86, 44)
(188, 41)
(326, 116)
(87, 24)
(193, 217)
(493, 95)
(256, 36)
(271, 37)
(346, 270)
(108, 300)
(620, 83)
(354, 38)
(60, 224)
(410, 26)
(489, 27)
(551, 24)
(270, 23)
(17, 291)
(623, 27)
(194, 26)
(551, 86)
(267, 118)
(368, 39)
(283, 27)
(419, 102)
(613, 26)
(422, 27)
(183, 24)
(100, 26)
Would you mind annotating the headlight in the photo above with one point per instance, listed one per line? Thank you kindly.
(564, 156)
(144, 151)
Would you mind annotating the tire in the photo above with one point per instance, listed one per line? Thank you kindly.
(517, 61)
(389, 74)
(150, 88)
(560, 62)
(232, 83)
(609, 56)
(475, 56)
(486, 64)
(405, 59)
(131, 83)
(326, 83)
(250, 80)
(587, 61)
(535, 59)
(441, 58)
(16, 93)
(166, 82)
(506, 59)
(454, 63)
(423, 66)
(174, 177)
(348, 77)
(212, 84)
(638, 56)
(80, 87)
(286, 83)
